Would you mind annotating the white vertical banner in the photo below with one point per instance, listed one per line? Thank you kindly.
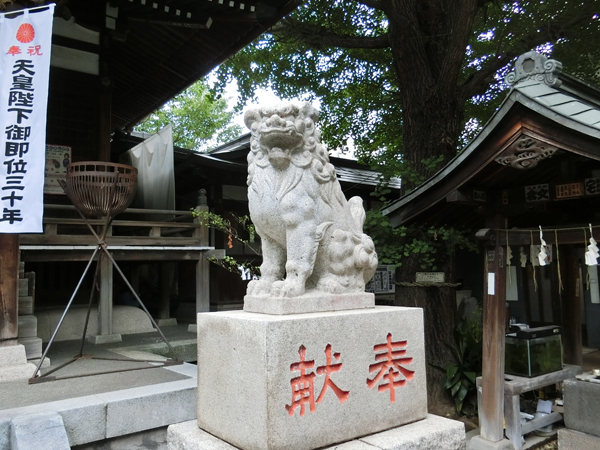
(25, 44)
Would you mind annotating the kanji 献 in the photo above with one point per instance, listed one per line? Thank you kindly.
(328, 369)
(390, 368)
(303, 390)
(14, 50)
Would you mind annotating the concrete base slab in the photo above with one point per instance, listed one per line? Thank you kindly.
(479, 443)
(44, 365)
(45, 431)
(104, 338)
(126, 320)
(14, 365)
(308, 303)
(166, 322)
(575, 440)
(431, 433)
(306, 381)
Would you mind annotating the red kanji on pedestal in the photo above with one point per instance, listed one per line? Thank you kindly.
(390, 368)
(328, 369)
(303, 389)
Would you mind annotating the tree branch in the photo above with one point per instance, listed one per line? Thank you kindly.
(318, 36)
(479, 82)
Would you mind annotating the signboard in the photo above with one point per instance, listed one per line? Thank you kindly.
(430, 277)
(592, 186)
(383, 281)
(25, 44)
(537, 193)
(479, 196)
(58, 157)
(569, 190)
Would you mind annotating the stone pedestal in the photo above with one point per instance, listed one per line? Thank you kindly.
(308, 303)
(582, 409)
(13, 364)
(431, 433)
(306, 381)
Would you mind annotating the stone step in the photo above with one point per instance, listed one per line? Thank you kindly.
(23, 287)
(27, 326)
(33, 347)
(25, 306)
(21, 269)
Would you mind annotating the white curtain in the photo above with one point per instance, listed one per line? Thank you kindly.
(156, 177)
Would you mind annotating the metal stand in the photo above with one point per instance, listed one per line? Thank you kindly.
(102, 246)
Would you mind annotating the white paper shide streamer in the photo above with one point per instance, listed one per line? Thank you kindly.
(591, 256)
(543, 254)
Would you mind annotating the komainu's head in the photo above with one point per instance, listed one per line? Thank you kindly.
(284, 134)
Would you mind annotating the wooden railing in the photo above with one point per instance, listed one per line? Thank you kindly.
(179, 228)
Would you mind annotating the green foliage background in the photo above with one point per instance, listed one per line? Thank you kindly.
(200, 118)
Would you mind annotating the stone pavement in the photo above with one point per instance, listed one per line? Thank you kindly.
(102, 409)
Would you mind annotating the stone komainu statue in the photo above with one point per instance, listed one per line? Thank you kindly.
(309, 232)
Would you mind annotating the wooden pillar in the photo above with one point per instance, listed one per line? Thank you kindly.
(9, 285)
(105, 100)
(202, 267)
(491, 415)
(105, 303)
(571, 309)
(167, 270)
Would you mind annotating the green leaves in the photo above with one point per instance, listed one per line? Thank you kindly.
(224, 225)
(461, 374)
(433, 245)
(334, 51)
(200, 120)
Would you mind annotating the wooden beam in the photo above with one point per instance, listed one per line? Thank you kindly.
(42, 239)
(9, 270)
(491, 414)
(468, 196)
(571, 300)
(105, 99)
(571, 235)
(105, 302)
(167, 271)
(118, 255)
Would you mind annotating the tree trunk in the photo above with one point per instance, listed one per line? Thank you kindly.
(439, 310)
(428, 41)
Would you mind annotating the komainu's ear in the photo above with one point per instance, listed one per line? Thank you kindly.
(307, 110)
(251, 117)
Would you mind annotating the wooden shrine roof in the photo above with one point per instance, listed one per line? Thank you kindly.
(546, 132)
(158, 48)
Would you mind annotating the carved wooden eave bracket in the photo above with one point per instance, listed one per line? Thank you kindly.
(525, 153)
(535, 66)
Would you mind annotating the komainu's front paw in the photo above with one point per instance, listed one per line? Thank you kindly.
(258, 287)
(287, 288)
